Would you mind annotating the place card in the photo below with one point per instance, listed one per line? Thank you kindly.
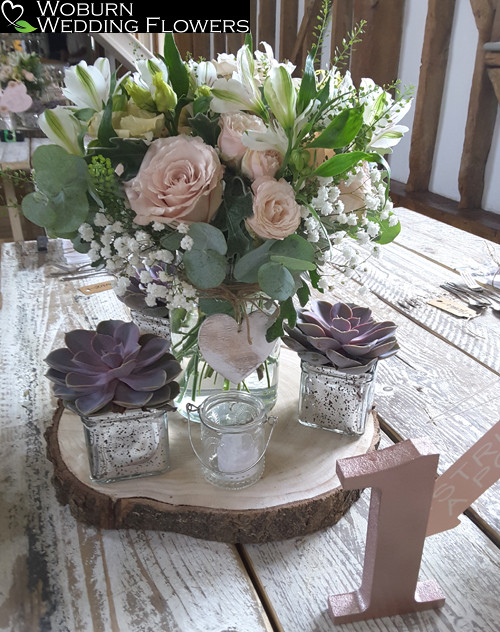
(96, 287)
(451, 306)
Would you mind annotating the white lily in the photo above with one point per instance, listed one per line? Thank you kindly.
(281, 96)
(62, 127)
(88, 86)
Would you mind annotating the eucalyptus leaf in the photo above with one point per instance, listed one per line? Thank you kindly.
(297, 265)
(171, 242)
(207, 237)
(247, 267)
(276, 281)
(215, 306)
(294, 247)
(205, 268)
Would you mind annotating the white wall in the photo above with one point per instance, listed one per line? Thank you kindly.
(450, 137)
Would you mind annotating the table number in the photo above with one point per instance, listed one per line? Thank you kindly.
(407, 504)
(402, 478)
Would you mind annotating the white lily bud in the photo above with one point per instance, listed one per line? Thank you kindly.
(63, 128)
(88, 86)
(281, 96)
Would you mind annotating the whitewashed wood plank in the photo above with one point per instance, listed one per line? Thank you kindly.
(58, 574)
(401, 274)
(447, 245)
(15, 155)
(299, 575)
(430, 388)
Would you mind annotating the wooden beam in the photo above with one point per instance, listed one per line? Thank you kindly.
(481, 114)
(435, 49)
(305, 31)
(289, 18)
(377, 56)
(267, 22)
(201, 46)
(342, 25)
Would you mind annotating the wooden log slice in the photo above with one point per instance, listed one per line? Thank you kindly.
(298, 494)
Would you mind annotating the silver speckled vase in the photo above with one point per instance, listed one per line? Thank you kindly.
(157, 325)
(334, 400)
(126, 445)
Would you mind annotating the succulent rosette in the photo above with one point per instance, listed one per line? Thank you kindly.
(342, 335)
(113, 368)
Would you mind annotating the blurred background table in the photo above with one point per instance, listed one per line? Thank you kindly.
(59, 574)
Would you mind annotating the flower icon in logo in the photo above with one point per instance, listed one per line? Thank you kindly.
(13, 14)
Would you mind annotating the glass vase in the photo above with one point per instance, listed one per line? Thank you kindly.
(126, 445)
(198, 380)
(233, 439)
(333, 400)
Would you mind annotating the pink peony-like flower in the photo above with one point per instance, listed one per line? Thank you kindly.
(233, 125)
(256, 164)
(276, 214)
(180, 180)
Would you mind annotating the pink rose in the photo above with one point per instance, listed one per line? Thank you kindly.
(256, 164)
(233, 125)
(180, 180)
(276, 214)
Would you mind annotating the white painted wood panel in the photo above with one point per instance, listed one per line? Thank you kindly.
(58, 574)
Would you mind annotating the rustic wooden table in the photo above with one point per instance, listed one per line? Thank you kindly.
(60, 575)
(16, 157)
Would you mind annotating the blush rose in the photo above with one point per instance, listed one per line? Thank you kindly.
(256, 164)
(233, 125)
(180, 180)
(276, 214)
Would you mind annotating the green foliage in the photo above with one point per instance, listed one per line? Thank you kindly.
(177, 72)
(128, 152)
(60, 203)
(341, 131)
(205, 263)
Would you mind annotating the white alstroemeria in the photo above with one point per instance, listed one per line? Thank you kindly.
(381, 114)
(225, 64)
(63, 128)
(88, 86)
(203, 73)
(265, 61)
(147, 69)
(241, 92)
(273, 138)
(281, 96)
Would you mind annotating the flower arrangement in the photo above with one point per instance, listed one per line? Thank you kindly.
(25, 68)
(232, 178)
(341, 335)
(113, 369)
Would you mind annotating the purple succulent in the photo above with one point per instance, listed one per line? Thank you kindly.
(113, 368)
(341, 335)
(135, 293)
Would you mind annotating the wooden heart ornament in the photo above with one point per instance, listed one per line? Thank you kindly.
(235, 350)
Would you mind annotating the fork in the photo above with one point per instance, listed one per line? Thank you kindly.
(469, 281)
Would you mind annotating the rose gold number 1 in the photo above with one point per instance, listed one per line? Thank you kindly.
(402, 478)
